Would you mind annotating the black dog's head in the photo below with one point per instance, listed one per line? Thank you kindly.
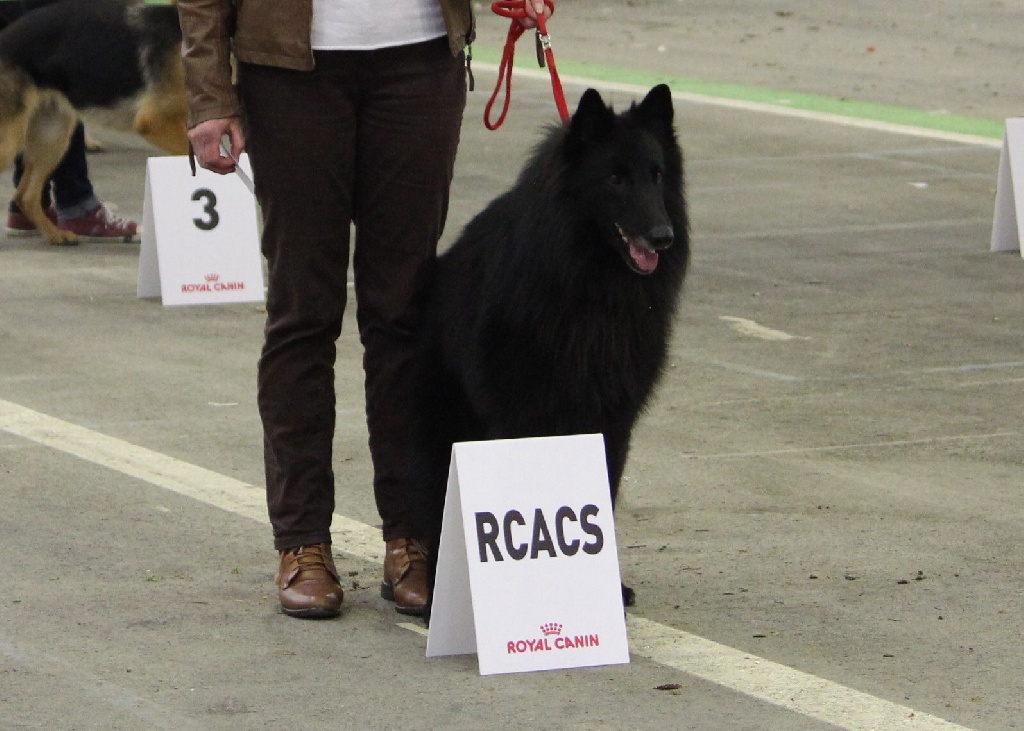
(627, 175)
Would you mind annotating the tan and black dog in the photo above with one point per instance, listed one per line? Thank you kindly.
(116, 63)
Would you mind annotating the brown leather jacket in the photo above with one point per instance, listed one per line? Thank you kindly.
(268, 32)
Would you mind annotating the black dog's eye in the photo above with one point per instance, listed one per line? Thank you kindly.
(658, 176)
(615, 179)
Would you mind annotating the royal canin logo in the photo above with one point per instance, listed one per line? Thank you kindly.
(552, 640)
(211, 283)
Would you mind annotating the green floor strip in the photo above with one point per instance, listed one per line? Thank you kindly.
(793, 100)
(853, 108)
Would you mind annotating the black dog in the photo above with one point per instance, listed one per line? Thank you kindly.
(551, 313)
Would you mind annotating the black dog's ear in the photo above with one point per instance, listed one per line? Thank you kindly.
(656, 108)
(591, 121)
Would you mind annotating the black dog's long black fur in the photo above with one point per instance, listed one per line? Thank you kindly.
(551, 313)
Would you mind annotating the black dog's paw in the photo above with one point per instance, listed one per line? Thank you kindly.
(628, 596)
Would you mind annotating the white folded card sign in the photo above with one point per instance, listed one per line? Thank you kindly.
(528, 569)
(200, 242)
(1008, 221)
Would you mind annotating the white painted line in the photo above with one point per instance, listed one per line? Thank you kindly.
(738, 671)
(785, 377)
(871, 228)
(858, 445)
(970, 367)
(764, 108)
(173, 474)
(756, 330)
(773, 683)
(750, 371)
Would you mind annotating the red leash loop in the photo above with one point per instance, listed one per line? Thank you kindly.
(516, 9)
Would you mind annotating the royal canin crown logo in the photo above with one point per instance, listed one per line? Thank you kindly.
(212, 277)
(551, 640)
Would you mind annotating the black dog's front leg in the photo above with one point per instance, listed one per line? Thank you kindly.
(616, 447)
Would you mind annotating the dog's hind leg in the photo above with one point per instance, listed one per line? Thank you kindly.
(46, 140)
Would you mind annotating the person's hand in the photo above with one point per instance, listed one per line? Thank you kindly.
(206, 140)
(535, 8)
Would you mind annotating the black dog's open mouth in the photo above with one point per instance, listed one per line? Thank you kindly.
(639, 255)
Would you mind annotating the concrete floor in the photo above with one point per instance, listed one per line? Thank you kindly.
(829, 479)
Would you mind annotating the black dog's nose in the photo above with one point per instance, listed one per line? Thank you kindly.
(661, 237)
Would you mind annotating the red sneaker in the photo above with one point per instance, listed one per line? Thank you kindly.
(19, 225)
(101, 225)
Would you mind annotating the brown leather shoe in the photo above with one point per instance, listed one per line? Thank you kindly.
(405, 576)
(307, 583)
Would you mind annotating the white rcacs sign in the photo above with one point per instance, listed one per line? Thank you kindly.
(200, 242)
(528, 571)
(1008, 222)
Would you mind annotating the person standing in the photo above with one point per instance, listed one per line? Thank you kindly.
(351, 114)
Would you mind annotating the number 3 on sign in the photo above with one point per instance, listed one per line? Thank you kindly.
(210, 209)
(200, 243)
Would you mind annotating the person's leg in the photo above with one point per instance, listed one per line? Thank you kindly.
(408, 135)
(79, 211)
(300, 132)
(72, 189)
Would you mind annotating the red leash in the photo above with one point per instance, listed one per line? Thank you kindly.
(516, 9)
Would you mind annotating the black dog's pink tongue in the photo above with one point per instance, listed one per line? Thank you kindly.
(645, 259)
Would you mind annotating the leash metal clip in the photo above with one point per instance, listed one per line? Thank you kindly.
(543, 45)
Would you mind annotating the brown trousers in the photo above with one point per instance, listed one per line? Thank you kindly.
(368, 138)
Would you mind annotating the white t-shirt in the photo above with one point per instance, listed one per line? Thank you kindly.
(344, 25)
